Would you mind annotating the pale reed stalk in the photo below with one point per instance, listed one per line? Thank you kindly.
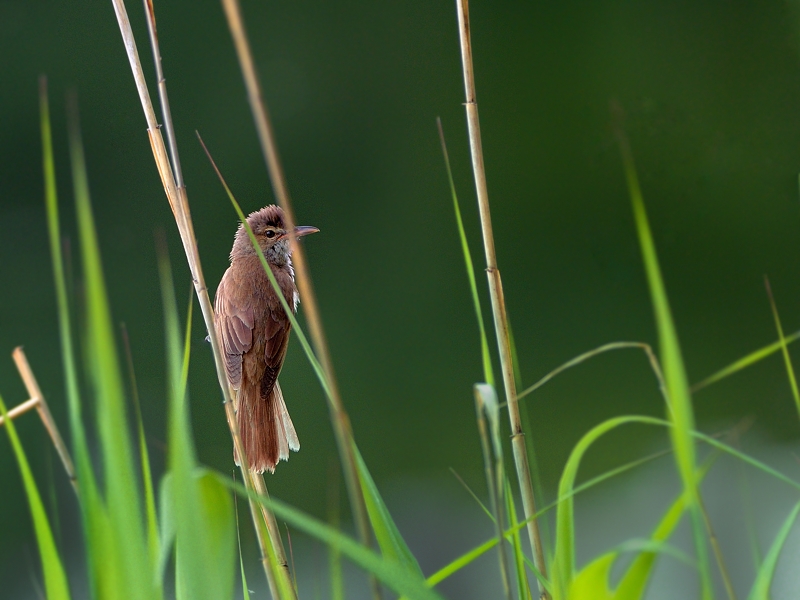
(496, 294)
(176, 195)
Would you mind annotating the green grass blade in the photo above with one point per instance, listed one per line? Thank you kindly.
(745, 493)
(167, 520)
(592, 581)
(124, 546)
(461, 562)
(634, 582)
(573, 362)
(391, 572)
(94, 517)
(474, 496)
(488, 374)
(784, 347)
(523, 587)
(219, 534)
(151, 517)
(765, 468)
(64, 319)
(745, 361)
(334, 553)
(563, 570)
(245, 589)
(680, 409)
(336, 574)
(763, 581)
(201, 508)
(392, 545)
(55, 579)
(564, 561)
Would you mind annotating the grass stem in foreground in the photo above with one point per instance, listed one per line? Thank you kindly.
(679, 406)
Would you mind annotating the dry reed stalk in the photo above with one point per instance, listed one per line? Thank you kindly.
(38, 402)
(496, 293)
(176, 195)
(21, 409)
(339, 418)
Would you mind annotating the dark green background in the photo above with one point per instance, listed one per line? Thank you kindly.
(712, 95)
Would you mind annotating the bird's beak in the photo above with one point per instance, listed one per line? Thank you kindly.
(302, 230)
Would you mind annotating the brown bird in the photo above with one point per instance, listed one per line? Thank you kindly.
(254, 330)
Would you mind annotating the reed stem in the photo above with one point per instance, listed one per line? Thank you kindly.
(496, 294)
(178, 200)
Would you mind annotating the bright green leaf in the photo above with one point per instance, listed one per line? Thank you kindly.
(55, 579)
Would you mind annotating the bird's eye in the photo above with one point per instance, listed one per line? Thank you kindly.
(269, 233)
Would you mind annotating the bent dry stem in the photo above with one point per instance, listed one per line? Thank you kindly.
(38, 402)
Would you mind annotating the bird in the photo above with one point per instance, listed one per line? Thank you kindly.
(253, 329)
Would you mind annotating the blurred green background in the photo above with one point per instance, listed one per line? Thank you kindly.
(712, 96)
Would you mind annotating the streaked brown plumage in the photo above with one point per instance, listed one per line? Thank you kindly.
(254, 333)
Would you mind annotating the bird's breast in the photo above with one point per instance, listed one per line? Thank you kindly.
(251, 280)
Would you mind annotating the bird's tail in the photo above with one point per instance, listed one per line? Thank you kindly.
(266, 429)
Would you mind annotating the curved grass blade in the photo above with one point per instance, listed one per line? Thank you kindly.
(563, 570)
(573, 362)
(680, 409)
(763, 581)
(564, 562)
(55, 579)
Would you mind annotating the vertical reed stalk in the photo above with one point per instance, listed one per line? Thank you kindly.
(266, 135)
(176, 195)
(496, 293)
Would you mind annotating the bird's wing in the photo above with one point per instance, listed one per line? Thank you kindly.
(276, 337)
(234, 324)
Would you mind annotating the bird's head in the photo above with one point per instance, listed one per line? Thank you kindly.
(272, 236)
